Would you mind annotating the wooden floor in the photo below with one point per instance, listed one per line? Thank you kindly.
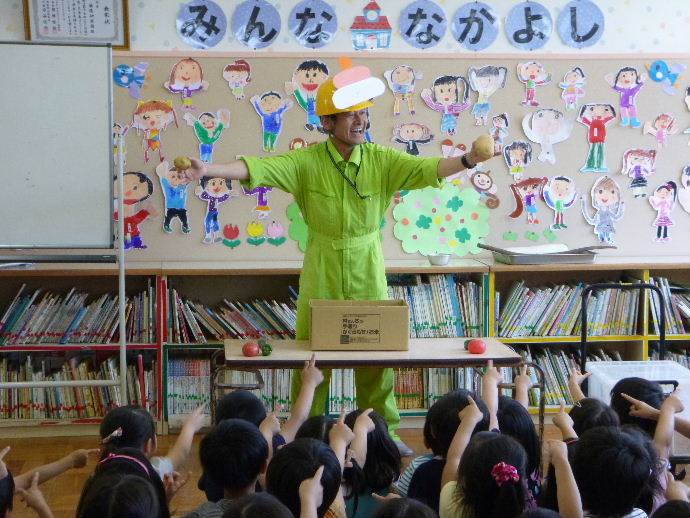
(62, 493)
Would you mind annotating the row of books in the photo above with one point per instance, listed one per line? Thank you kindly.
(191, 321)
(675, 353)
(676, 301)
(73, 402)
(556, 311)
(188, 385)
(556, 365)
(45, 317)
(441, 305)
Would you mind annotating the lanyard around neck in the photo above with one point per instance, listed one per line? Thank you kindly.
(345, 177)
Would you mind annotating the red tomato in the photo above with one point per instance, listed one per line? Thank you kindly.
(476, 346)
(251, 349)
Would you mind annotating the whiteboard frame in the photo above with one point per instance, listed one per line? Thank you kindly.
(111, 171)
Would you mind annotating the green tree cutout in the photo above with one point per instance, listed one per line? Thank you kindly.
(435, 221)
(298, 229)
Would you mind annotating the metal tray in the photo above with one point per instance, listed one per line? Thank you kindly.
(580, 258)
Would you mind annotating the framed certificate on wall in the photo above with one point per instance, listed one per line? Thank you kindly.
(77, 21)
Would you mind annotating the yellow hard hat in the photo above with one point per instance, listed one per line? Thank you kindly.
(325, 104)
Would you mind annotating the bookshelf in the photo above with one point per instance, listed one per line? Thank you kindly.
(211, 282)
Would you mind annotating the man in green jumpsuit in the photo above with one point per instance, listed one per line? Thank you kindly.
(343, 187)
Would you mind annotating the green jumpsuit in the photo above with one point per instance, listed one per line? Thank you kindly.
(344, 257)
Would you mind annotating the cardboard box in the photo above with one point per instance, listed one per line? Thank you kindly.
(364, 325)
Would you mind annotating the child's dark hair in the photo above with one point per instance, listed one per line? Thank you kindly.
(590, 413)
(257, 504)
(203, 181)
(316, 427)
(6, 494)
(208, 114)
(143, 179)
(313, 64)
(298, 461)
(644, 390)
(454, 80)
(612, 467)
(484, 492)
(240, 404)
(673, 509)
(128, 426)
(515, 145)
(628, 69)
(405, 508)
(233, 454)
(515, 420)
(442, 420)
(122, 462)
(578, 70)
(113, 496)
(382, 465)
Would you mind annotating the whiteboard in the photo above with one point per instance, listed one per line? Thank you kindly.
(56, 146)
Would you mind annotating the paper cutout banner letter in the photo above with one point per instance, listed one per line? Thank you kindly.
(313, 23)
(475, 25)
(201, 24)
(528, 25)
(422, 24)
(256, 23)
(580, 24)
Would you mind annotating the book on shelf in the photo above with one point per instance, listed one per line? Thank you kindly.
(188, 385)
(676, 352)
(557, 311)
(676, 301)
(441, 305)
(192, 321)
(73, 402)
(44, 317)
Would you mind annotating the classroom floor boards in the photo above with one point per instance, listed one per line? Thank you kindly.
(62, 493)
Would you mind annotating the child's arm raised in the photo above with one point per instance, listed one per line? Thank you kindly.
(469, 417)
(269, 427)
(311, 495)
(340, 438)
(663, 433)
(76, 459)
(564, 423)
(34, 499)
(312, 377)
(568, 495)
(522, 385)
(641, 409)
(575, 381)
(363, 425)
(490, 382)
(180, 451)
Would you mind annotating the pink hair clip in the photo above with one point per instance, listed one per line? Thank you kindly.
(504, 473)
